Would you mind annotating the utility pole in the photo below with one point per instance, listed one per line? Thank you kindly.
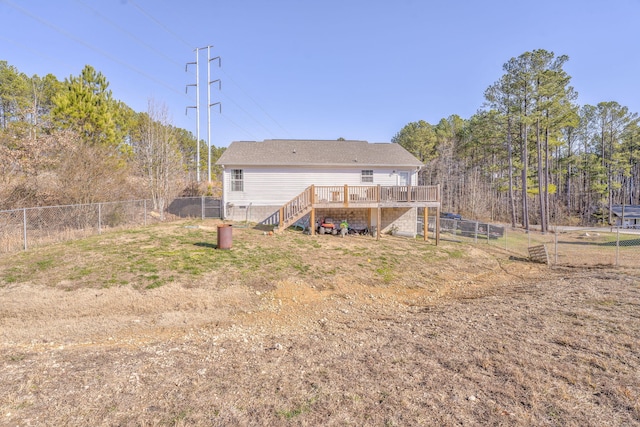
(209, 105)
(197, 107)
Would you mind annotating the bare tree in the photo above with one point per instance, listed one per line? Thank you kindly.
(158, 156)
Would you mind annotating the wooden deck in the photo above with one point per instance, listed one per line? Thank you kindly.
(360, 196)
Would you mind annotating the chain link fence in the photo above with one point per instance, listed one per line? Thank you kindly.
(21, 229)
(569, 246)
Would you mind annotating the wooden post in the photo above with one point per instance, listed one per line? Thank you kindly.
(312, 215)
(408, 192)
(425, 224)
(379, 225)
(281, 225)
(312, 221)
(346, 196)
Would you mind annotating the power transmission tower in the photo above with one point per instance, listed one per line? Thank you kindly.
(197, 106)
(209, 105)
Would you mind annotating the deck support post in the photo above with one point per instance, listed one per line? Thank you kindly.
(425, 224)
(312, 221)
(312, 215)
(379, 224)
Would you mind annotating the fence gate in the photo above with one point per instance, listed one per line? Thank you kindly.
(212, 208)
(196, 207)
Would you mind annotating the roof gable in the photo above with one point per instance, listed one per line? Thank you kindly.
(293, 152)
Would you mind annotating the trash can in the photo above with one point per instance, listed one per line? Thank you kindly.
(225, 237)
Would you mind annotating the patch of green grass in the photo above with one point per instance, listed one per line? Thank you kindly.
(386, 273)
(80, 272)
(154, 285)
(606, 302)
(298, 410)
(456, 253)
(14, 275)
(178, 418)
(17, 357)
(44, 264)
(302, 268)
(11, 278)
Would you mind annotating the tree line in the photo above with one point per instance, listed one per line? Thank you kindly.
(71, 142)
(531, 154)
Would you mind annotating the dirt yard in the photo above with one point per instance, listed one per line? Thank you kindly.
(317, 330)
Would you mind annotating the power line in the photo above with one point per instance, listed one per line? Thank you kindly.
(234, 82)
(129, 34)
(178, 37)
(238, 126)
(255, 102)
(248, 114)
(91, 47)
(164, 27)
(36, 52)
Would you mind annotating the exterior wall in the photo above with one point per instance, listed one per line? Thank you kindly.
(357, 218)
(394, 220)
(252, 213)
(274, 186)
(400, 220)
(628, 222)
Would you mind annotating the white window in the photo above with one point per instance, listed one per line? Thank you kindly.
(367, 176)
(237, 181)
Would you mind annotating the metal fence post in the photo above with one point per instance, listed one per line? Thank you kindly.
(488, 232)
(99, 218)
(202, 205)
(556, 246)
(24, 228)
(475, 236)
(145, 212)
(617, 244)
(506, 246)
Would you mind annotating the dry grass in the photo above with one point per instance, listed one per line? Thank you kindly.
(155, 327)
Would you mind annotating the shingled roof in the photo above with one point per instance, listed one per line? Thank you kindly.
(630, 211)
(295, 152)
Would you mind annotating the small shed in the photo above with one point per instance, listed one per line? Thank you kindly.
(626, 216)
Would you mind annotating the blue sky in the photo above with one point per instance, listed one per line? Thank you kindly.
(322, 69)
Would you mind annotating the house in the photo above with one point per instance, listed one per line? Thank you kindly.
(280, 181)
(631, 214)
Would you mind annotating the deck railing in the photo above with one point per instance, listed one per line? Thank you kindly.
(295, 207)
(344, 194)
(355, 195)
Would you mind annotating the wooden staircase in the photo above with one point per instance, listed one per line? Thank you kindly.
(295, 209)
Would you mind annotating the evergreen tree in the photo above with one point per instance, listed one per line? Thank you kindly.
(87, 107)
